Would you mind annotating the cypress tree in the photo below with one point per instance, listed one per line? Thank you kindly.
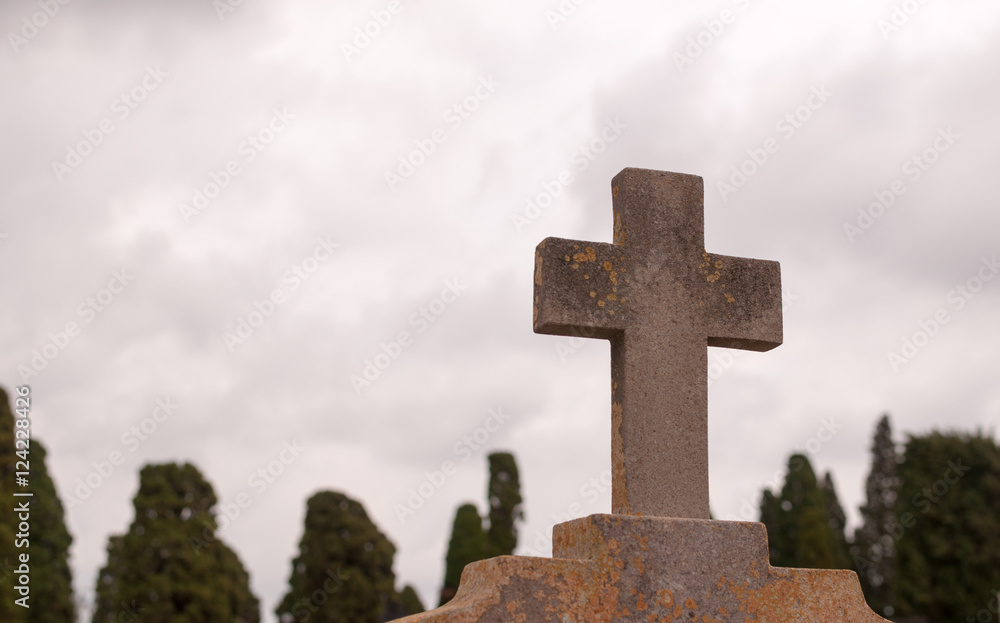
(504, 495)
(51, 581)
(799, 526)
(873, 550)
(770, 515)
(170, 567)
(948, 544)
(468, 544)
(410, 601)
(343, 572)
(837, 519)
(9, 611)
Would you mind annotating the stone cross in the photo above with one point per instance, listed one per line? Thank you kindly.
(661, 300)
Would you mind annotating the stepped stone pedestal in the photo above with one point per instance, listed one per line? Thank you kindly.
(662, 300)
(625, 568)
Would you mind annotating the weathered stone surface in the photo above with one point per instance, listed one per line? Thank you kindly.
(617, 568)
(661, 300)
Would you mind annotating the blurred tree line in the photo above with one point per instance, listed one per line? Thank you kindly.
(927, 548)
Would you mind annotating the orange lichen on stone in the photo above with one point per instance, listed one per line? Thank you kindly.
(587, 255)
(640, 603)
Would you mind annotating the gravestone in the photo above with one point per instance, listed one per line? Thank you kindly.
(661, 300)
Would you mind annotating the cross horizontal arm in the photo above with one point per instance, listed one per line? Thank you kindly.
(578, 290)
(741, 301)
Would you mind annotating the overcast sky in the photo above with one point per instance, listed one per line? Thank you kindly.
(234, 209)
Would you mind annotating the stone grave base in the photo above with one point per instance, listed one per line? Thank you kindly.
(651, 569)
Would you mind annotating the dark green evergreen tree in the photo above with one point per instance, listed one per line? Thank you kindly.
(948, 548)
(504, 496)
(873, 550)
(837, 519)
(799, 526)
(770, 515)
(51, 581)
(343, 572)
(9, 611)
(169, 567)
(468, 544)
(411, 601)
